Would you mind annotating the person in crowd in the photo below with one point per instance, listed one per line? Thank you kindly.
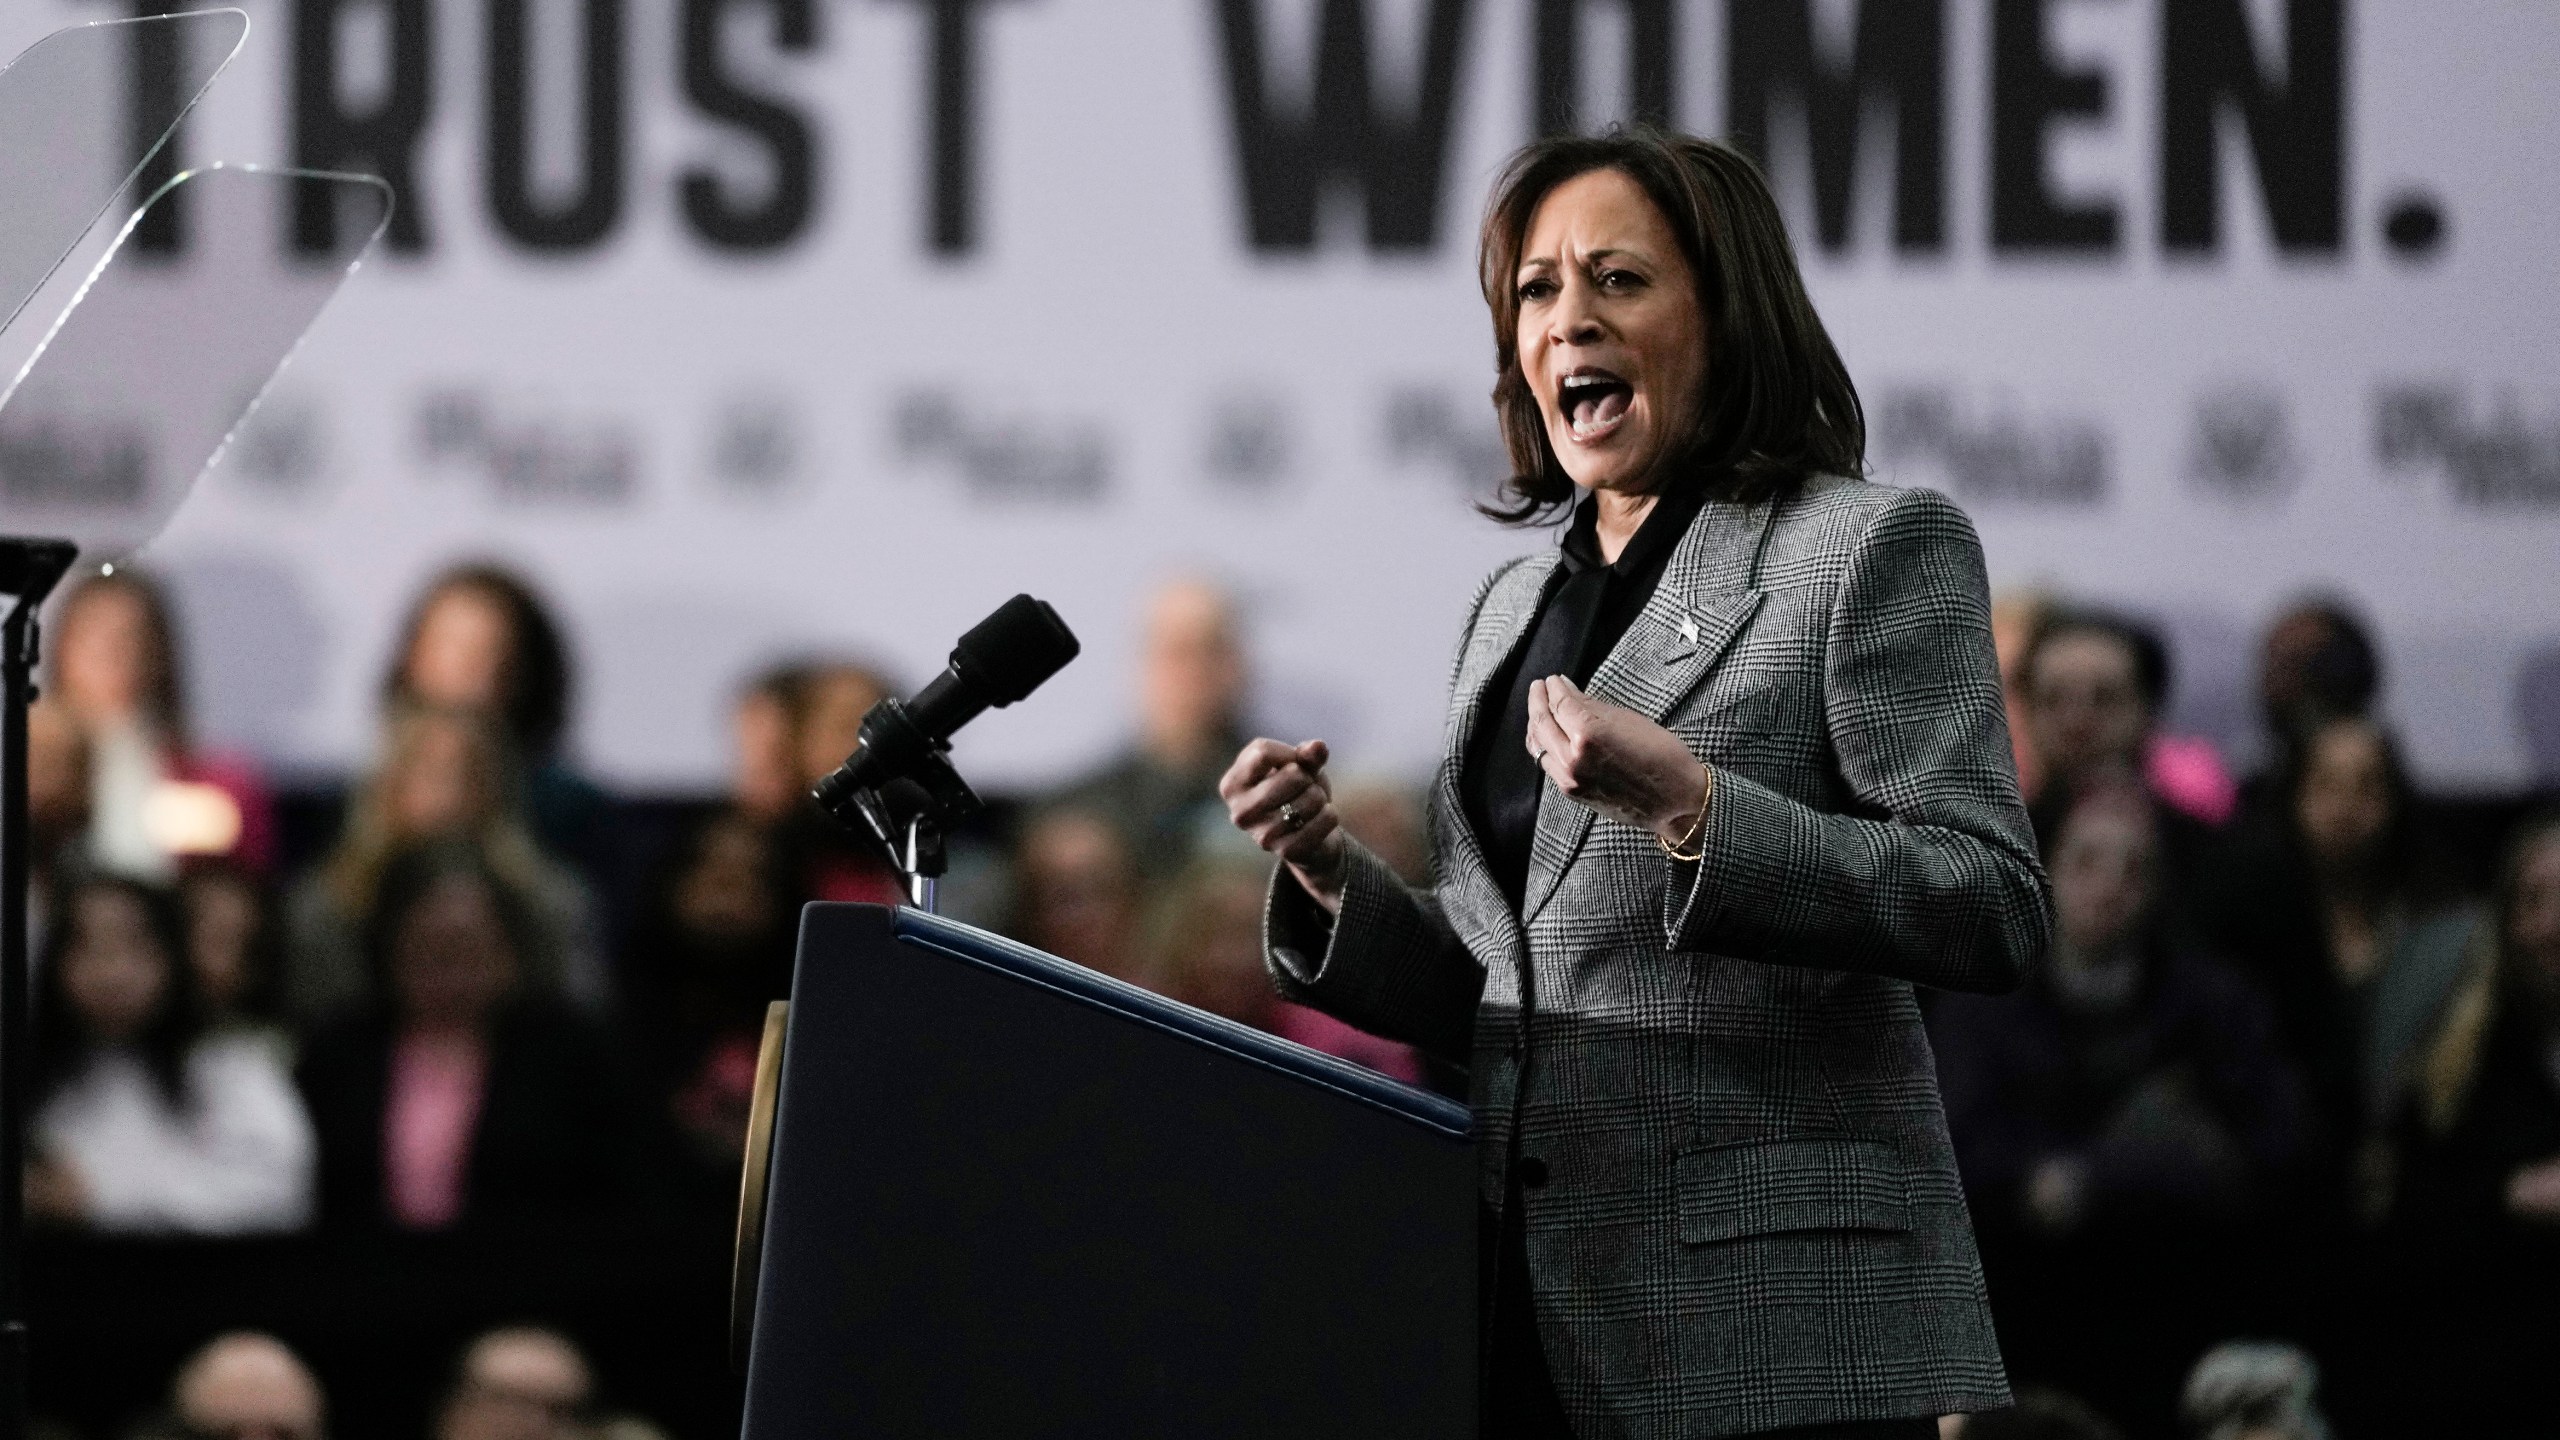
(145, 1121)
(2253, 1390)
(1388, 818)
(444, 774)
(243, 1386)
(1076, 891)
(2318, 662)
(479, 640)
(715, 948)
(2135, 1080)
(1162, 793)
(2095, 684)
(520, 1382)
(2017, 618)
(466, 1096)
(235, 946)
(2323, 901)
(2481, 1116)
(767, 785)
(1205, 948)
(155, 799)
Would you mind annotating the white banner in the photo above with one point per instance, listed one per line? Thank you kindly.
(749, 326)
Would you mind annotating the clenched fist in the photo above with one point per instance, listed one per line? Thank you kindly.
(1278, 795)
(1616, 761)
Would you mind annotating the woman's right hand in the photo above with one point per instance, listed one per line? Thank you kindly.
(1278, 795)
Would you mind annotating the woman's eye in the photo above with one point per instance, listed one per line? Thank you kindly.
(1537, 289)
(1620, 280)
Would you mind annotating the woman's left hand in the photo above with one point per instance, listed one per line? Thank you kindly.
(1616, 761)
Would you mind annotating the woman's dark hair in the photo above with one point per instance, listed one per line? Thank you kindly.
(2535, 829)
(164, 689)
(534, 691)
(2150, 653)
(63, 1045)
(413, 873)
(2397, 855)
(263, 996)
(1779, 402)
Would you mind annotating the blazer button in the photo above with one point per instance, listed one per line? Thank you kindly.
(1533, 1173)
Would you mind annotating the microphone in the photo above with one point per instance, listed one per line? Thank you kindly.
(1002, 659)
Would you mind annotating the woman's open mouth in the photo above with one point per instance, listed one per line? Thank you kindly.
(1594, 401)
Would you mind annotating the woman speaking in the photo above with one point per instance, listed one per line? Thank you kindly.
(1726, 773)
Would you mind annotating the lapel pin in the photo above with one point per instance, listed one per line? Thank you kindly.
(1689, 629)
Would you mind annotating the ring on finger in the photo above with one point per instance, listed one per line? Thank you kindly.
(1289, 817)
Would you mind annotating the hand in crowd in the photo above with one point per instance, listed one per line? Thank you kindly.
(2533, 1193)
(1278, 794)
(1616, 761)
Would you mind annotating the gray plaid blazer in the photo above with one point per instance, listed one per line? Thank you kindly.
(1744, 1213)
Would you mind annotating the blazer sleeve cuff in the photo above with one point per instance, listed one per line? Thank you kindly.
(1710, 904)
(1308, 950)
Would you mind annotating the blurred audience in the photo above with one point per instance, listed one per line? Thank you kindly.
(2482, 1112)
(1076, 891)
(235, 948)
(1389, 819)
(145, 1120)
(714, 949)
(2017, 618)
(519, 1383)
(2134, 1079)
(2253, 1390)
(57, 808)
(1162, 792)
(444, 775)
(2325, 896)
(154, 799)
(2317, 663)
(2094, 685)
(480, 641)
(243, 1386)
(466, 1095)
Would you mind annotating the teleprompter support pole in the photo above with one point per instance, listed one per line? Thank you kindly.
(29, 569)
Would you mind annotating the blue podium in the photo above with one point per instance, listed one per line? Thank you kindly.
(1004, 1196)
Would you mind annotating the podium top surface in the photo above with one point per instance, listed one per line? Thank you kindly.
(1075, 982)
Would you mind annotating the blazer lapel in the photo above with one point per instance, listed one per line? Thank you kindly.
(1706, 595)
(1502, 625)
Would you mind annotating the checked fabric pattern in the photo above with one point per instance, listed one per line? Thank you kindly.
(1744, 1213)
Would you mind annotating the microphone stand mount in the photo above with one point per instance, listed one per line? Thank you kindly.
(911, 813)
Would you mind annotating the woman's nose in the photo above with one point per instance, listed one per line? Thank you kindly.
(1575, 321)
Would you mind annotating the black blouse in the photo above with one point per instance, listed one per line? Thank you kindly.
(1586, 606)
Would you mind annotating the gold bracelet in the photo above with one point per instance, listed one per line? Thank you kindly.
(1688, 850)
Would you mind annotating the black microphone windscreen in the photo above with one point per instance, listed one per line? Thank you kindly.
(1008, 654)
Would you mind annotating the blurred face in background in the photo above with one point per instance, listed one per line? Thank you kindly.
(831, 719)
(764, 757)
(519, 1385)
(223, 914)
(2344, 804)
(1078, 895)
(726, 896)
(113, 972)
(1611, 339)
(1192, 689)
(57, 773)
(441, 778)
(1212, 955)
(2102, 865)
(249, 1387)
(451, 960)
(2085, 698)
(2533, 921)
(464, 646)
(106, 654)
